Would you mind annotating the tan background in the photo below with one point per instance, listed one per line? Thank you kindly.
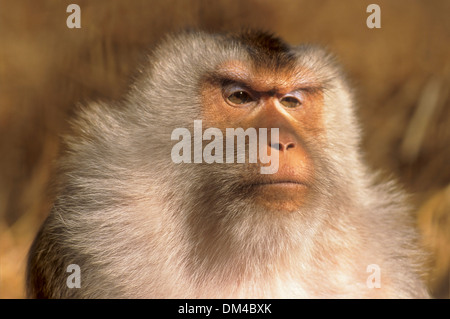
(401, 72)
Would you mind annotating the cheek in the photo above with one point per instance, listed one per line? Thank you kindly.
(310, 117)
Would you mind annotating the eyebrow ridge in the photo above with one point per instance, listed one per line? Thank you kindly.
(227, 78)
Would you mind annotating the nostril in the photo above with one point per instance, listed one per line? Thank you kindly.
(290, 145)
(277, 146)
(282, 146)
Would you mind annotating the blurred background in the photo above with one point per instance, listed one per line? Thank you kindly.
(401, 73)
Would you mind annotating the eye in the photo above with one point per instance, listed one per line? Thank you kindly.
(291, 101)
(240, 97)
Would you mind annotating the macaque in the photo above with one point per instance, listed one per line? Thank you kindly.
(139, 224)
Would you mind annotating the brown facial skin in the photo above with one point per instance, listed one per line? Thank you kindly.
(239, 95)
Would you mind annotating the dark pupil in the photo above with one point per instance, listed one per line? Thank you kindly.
(240, 97)
(290, 102)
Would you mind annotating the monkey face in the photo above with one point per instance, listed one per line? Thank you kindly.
(240, 95)
(251, 81)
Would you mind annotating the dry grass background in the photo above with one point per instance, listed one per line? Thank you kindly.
(401, 71)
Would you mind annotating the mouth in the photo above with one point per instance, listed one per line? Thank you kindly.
(278, 194)
(279, 183)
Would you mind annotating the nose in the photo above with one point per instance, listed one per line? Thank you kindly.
(270, 116)
(285, 142)
(282, 146)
